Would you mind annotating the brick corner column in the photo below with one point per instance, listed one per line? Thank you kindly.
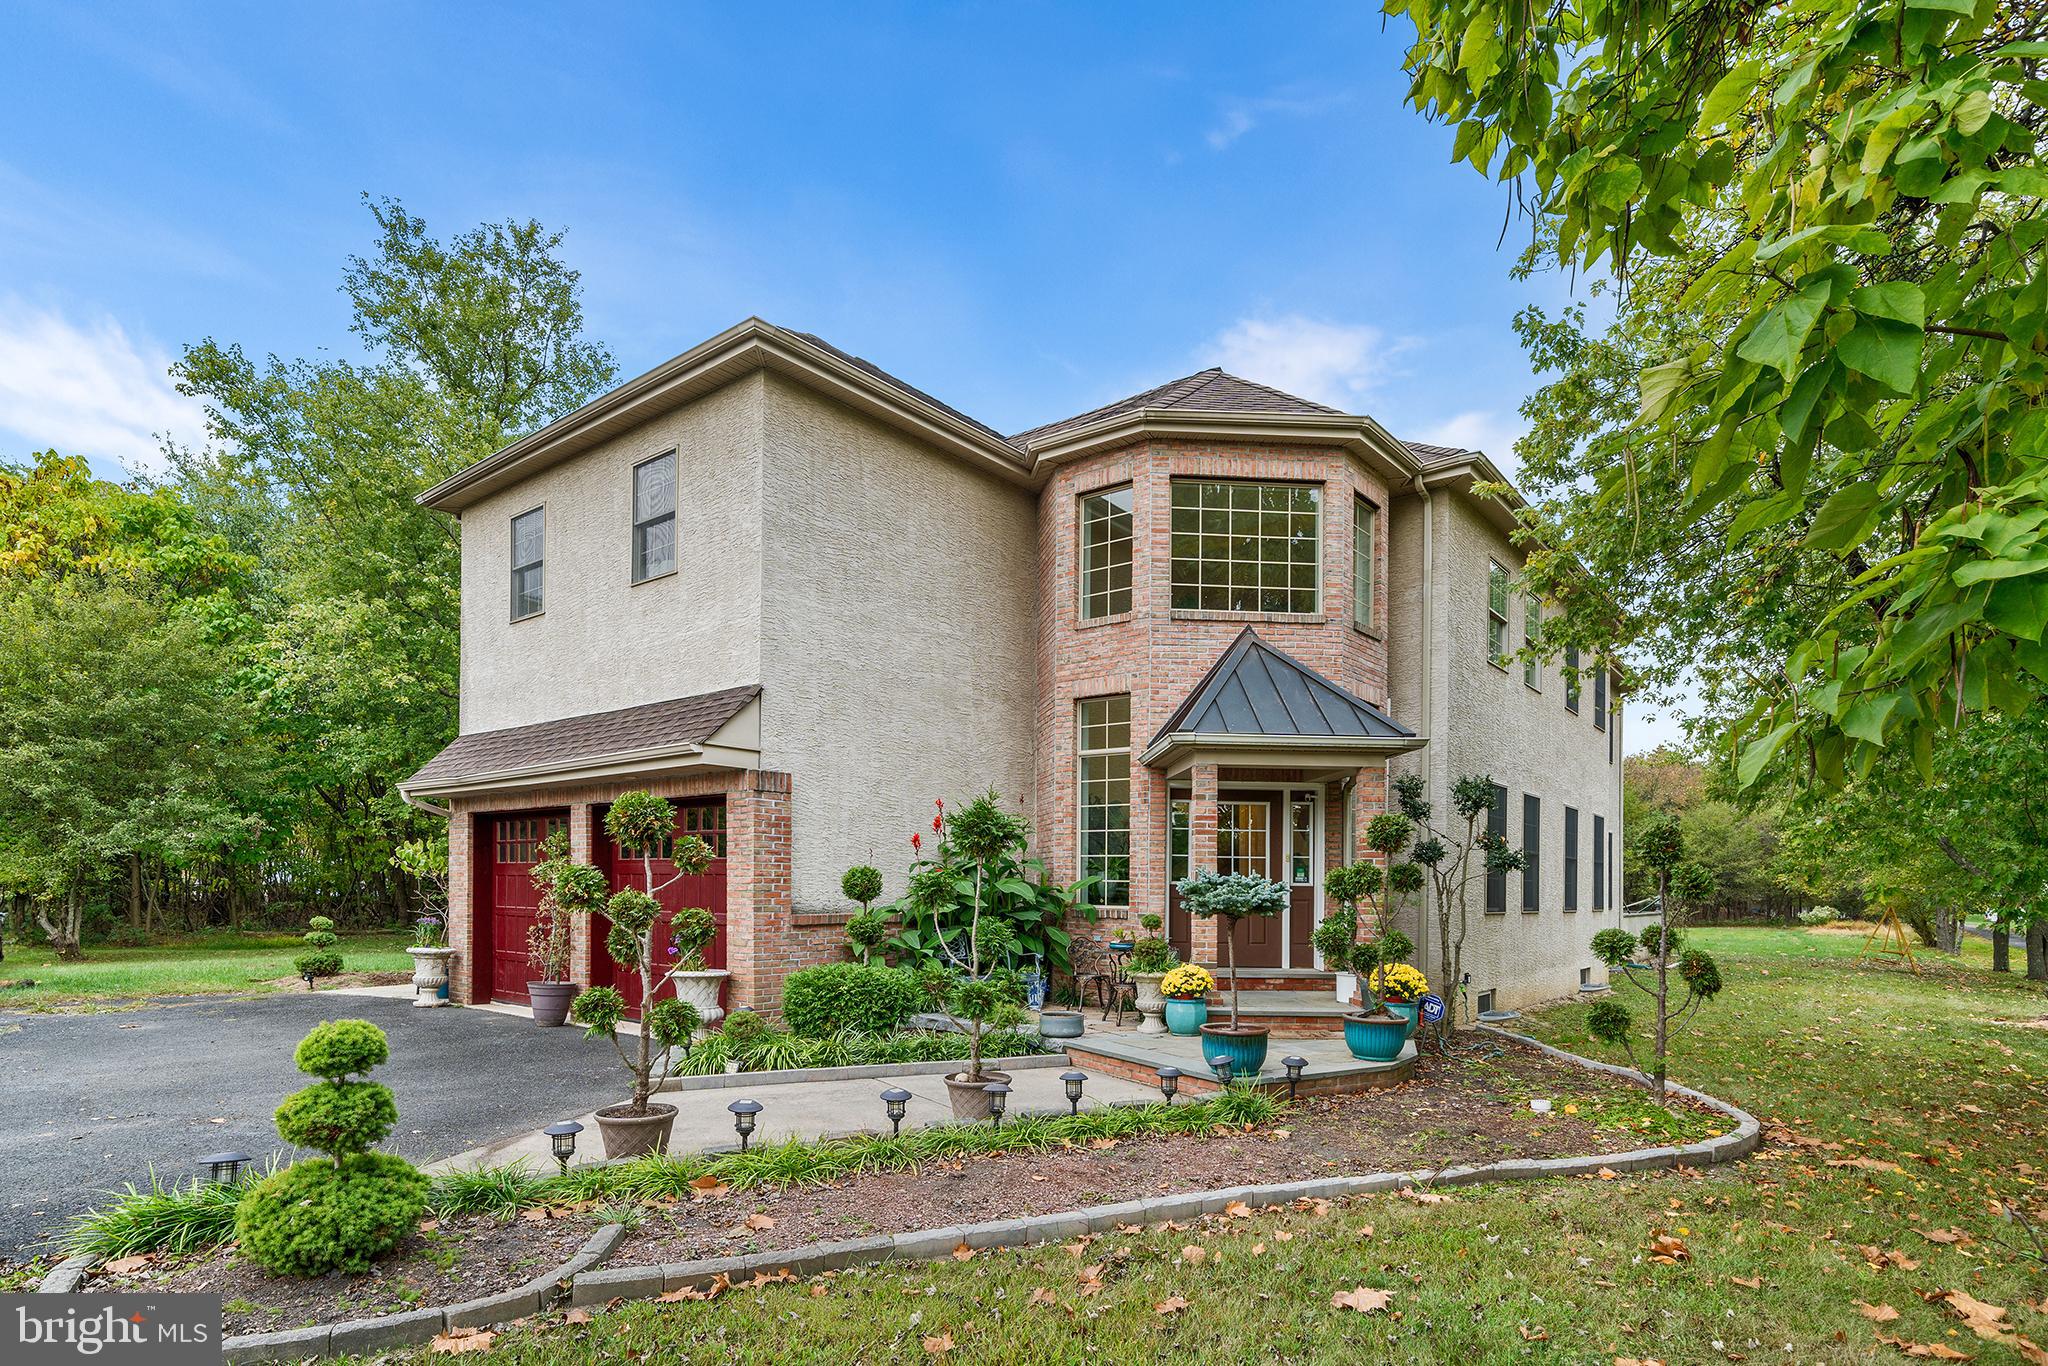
(758, 893)
(462, 905)
(1205, 940)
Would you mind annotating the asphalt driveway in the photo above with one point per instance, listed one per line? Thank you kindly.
(92, 1102)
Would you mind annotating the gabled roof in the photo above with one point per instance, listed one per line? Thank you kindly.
(1256, 690)
(623, 738)
(1209, 391)
(913, 391)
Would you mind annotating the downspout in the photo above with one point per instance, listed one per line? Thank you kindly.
(1426, 654)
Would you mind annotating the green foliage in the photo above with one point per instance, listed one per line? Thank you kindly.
(321, 939)
(1389, 832)
(976, 1006)
(1653, 938)
(320, 924)
(633, 911)
(1692, 884)
(862, 884)
(818, 1001)
(976, 881)
(1232, 896)
(341, 1117)
(1336, 935)
(599, 1010)
(673, 1021)
(172, 1219)
(690, 932)
(337, 1049)
(640, 821)
(1405, 878)
(1700, 973)
(1614, 947)
(317, 963)
(866, 931)
(1660, 844)
(742, 1027)
(1152, 954)
(1609, 1021)
(1353, 883)
(320, 1216)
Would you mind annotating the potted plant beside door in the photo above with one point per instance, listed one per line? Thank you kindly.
(639, 822)
(1231, 897)
(690, 932)
(1376, 1033)
(567, 889)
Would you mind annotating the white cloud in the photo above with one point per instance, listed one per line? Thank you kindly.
(88, 390)
(1480, 429)
(1333, 363)
(1238, 115)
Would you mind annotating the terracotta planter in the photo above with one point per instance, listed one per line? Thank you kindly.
(629, 1135)
(1151, 1004)
(430, 975)
(970, 1099)
(550, 1002)
(1245, 1046)
(702, 989)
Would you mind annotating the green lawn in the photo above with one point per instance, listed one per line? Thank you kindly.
(203, 964)
(1931, 1073)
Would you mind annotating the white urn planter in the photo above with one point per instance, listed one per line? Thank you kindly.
(430, 975)
(702, 988)
(1151, 1003)
(1347, 987)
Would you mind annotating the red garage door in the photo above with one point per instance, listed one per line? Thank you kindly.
(509, 846)
(704, 818)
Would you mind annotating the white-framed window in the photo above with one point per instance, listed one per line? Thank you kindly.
(1105, 798)
(1179, 839)
(654, 517)
(1532, 634)
(1365, 525)
(1106, 538)
(1246, 547)
(1301, 839)
(1244, 838)
(1496, 615)
(529, 560)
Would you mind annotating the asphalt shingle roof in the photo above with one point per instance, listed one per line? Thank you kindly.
(1210, 391)
(879, 373)
(589, 738)
(1255, 689)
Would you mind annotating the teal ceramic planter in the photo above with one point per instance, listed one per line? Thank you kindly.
(1185, 1017)
(1374, 1040)
(1411, 1011)
(1245, 1048)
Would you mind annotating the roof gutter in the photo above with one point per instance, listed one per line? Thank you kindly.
(1361, 436)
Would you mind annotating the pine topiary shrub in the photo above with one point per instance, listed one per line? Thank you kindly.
(873, 1000)
(343, 1211)
(321, 958)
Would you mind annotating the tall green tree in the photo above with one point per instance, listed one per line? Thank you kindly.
(1836, 208)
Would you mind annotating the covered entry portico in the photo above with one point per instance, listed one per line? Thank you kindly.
(1268, 764)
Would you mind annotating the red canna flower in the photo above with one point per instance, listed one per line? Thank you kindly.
(936, 824)
(916, 842)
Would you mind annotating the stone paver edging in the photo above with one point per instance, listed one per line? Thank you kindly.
(645, 1282)
(722, 1081)
(67, 1275)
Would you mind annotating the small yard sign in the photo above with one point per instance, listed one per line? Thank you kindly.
(1432, 1007)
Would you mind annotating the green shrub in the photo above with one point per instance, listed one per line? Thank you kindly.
(340, 1117)
(320, 923)
(317, 963)
(322, 939)
(821, 1000)
(341, 1048)
(320, 1216)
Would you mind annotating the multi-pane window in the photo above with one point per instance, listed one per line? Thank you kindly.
(1105, 749)
(1301, 825)
(1178, 841)
(1532, 633)
(1497, 830)
(1599, 863)
(1242, 547)
(1532, 852)
(1600, 698)
(517, 839)
(1497, 615)
(529, 538)
(1571, 679)
(654, 517)
(1365, 526)
(1571, 858)
(1244, 838)
(1106, 553)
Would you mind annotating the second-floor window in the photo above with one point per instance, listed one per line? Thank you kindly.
(1532, 634)
(529, 544)
(1497, 615)
(1106, 553)
(1243, 547)
(654, 517)
(1364, 531)
(1105, 753)
(1571, 679)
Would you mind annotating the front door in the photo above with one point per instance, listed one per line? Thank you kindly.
(1251, 833)
(1269, 834)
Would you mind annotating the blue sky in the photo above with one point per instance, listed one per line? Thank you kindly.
(1024, 209)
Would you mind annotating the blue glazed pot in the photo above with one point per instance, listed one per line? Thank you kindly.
(1374, 1040)
(1411, 1011)
(1245, 1049)
(1185, 1017)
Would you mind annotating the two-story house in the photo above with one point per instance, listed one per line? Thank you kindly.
(1194, 628)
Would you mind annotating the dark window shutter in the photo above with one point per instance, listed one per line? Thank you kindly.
(1599, 863)
(1571, 858)
(1497, 826)
(1532, 852)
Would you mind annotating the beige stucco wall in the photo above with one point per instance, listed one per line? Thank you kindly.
(604, 642)
(1486, 720)
(898, 633)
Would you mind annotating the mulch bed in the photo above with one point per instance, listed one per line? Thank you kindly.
(342, 979)
(1471, 1108)
(1465, 1110)
(449, 1261)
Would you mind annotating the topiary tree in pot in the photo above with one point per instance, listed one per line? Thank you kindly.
(320, 958)
(641, 822)
(567, 889)
(977, 1007)
(1231, 897)
(342, 1211)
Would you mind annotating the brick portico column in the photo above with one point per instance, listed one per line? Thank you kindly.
(1205, 943)
(583, 947)
(759, 951)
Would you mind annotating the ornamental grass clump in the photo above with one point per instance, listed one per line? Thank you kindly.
(343, 1211)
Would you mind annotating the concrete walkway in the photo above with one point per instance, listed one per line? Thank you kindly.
(809, 1109)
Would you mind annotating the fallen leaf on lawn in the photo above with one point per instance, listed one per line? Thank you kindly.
(429, 1225)
(1127, 1229)
(463, 1340)
(1193, 1254)
(1091, 1278)
(1869, 1164)
(1668, 1249)
(759, 1222)
(1538, 1334)
(537, 1215)
(1876, 1313)
(1258, 1249)
(1102, 1143)
(962, 1252)
(1607, 1174)
(717, 1286)
(1364, 1299)
(1076, 1249)
(1043, 1296)
(1365, 1231)
(1932, 1350)
(705, 1186)
(1747, 1282)
(1945, 1235)
(2033, 1351)
(2041, 1308)
(938, 1344)
(124, 1265)
(1973, 1109)
(1985, 1320)
(1880, 1258)
(1425, 1197)
(1171, 1305)
(1238, 1209)
(818, 1290)
(1283, 1235)
(578, 1316)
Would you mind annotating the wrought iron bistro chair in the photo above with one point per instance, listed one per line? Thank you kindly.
(1110, 979)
